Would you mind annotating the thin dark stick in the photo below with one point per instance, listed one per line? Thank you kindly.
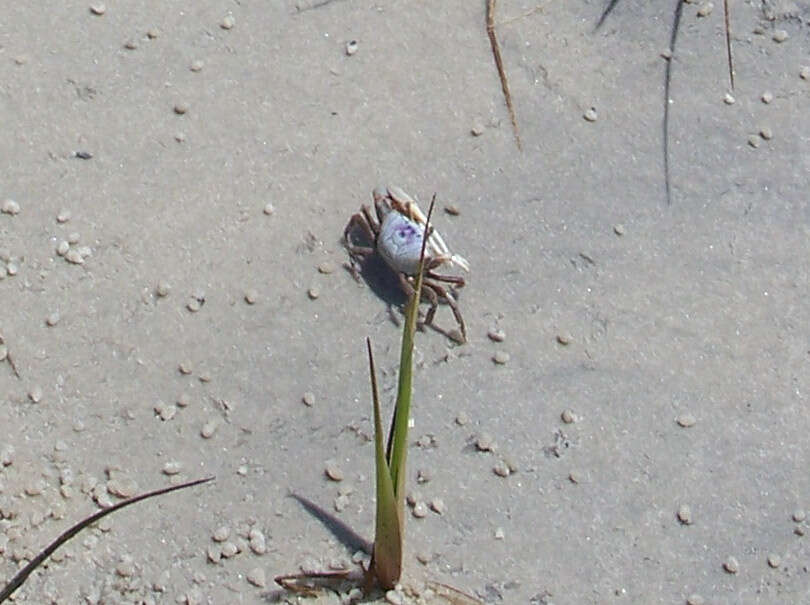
(676, 23)
(608, 10)
(728, 45)
(26, 571)
(496, 52)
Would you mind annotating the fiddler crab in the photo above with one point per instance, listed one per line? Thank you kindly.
(396, 235)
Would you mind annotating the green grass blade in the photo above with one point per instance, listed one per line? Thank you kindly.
(387, 556)
(398, 441)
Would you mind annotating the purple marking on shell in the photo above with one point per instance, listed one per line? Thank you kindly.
(400, 243)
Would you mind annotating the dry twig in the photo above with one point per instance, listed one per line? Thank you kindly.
(496, 53)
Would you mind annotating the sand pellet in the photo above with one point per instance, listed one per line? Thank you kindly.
(754, 140)
(564, 338)
(485, 442)
(799, 515)
(183, 400)
(229, 549)
(163, 288)
(10, 207)
(731, 565)
(496, 335)
(590, 114)
(767, 97)
(185, 367)
(172, 468)
(780, 35)
(705, 9)
(228, 21)
(196, 65)
(269, 209)
(501, 469)
(766, 133)
(313, 292)
(462, 419)
(98, 9)
(437, 506)
(420, 510)
(501, 358)
(181, 108)
(729, 99)
(308, 399)
(62, 248)
(326, 268)
(63, 216)
(74, 238)
(74, 257)
(35, 394)
(568, 417)
(804, 72)
(256, 577)
(209, 428)
(685, 514)
(221, 533)
(52, 319)
(333, 471)
(695, 599)
(351, 47)
(774, 560)
(686, 420)
(618, 229)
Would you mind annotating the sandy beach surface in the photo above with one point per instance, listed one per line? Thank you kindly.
(628, 420)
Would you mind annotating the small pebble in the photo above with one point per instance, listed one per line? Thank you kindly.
(326, 268)
(666, 53)
(52, 319)
(799, 531)
(729, 99)
(221, 534)
(804, 72)
(618, 229)
(420, 510)
(242, 470)
(774, 560)
(766, 133)
(11, 207)
(780, 35)
(767, 97)
(152, 33)
(214, 554)
(501, 469)
(163, 288)
(194, 305)
(308, 399)
(351, 47)
(256, 577)
(686, 420)
(423, 475)
(62, 248)
(251, 296)
(35, 394)
(229, 549)
(575, 476)
(185, 367)
(568, 416)
(228, 22)
(98, 9)
(754, 140)
(63, 216)
(499, 533)
(590, 115)
(165, 412)
(564, 339)
(501, 358)
(424, 557)
(208, 429)
(181, 108)
(180, 137)
(462, 419)
(485, 443)
(333, 472)
(799, 515)
(12, 269)
(496, 335)
(452, 210)
(731, 565)
(685, 514)
(313, 293)
(695, 599)
(340, 503)
(83, 155)
(183, 400)
(130, 45)
(73, 238)
(74, 257)
(126, 568)
(705, 9)
(196, 65)
(477, 128)
(172, 468)
(269, 209)
(394, 597)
